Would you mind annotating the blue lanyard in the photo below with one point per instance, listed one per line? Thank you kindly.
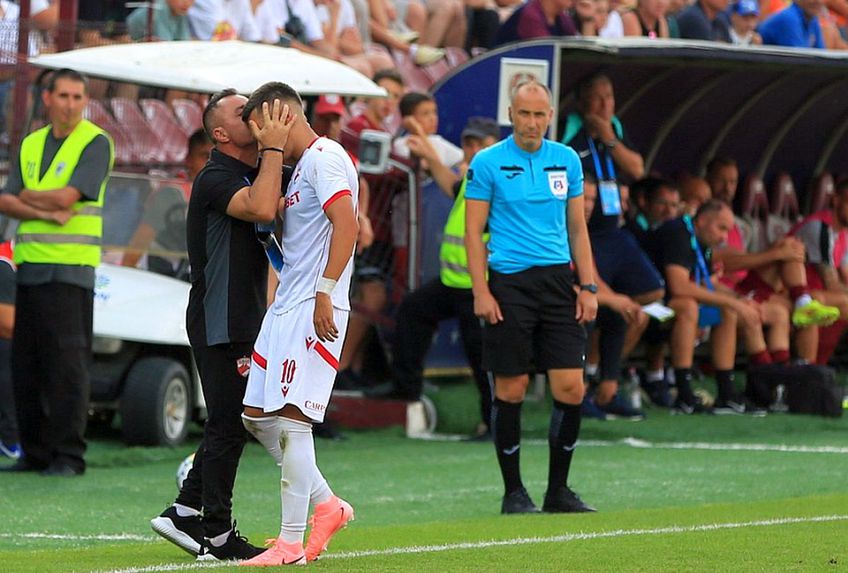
(610, 165)
(701, 270)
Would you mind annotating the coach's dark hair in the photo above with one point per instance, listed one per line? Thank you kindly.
(388, 74)
(711, 207)
(211, 107)
(409, 102)
(65, 74)
(267, 93)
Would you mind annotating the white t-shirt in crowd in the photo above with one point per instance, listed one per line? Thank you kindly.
(324, 174)
(271, 17)
(614, 28)
(347, 16)
(449, 154)
(9, 29)
(222, 20)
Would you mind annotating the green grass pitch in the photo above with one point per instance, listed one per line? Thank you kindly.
(705, 493)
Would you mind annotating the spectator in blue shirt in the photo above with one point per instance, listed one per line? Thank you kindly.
(796, 26)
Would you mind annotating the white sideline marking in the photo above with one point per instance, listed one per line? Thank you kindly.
(644, 444)
(416, 550)
(73, 537)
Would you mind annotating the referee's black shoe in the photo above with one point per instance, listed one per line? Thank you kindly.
(518, 501)
(563, 500)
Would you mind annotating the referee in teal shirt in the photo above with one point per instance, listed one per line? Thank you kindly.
(528, 192)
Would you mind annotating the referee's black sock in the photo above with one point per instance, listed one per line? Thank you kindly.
(506, 428)
(562, 438)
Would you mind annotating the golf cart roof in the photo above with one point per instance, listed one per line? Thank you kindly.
(207, 67)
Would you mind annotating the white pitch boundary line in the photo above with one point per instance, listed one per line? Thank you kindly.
(644, 444)
(566, 538)
(73, 537)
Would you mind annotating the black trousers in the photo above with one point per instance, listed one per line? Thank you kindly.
(8, 418)
(417, 319)
(51, 353)
(209, 484)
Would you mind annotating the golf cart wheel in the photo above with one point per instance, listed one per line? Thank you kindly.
(156, 403)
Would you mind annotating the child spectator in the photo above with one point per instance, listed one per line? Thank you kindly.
(744, 17)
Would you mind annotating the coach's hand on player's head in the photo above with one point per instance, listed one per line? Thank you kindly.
(587, 307)
(322, 318)
(276, 124)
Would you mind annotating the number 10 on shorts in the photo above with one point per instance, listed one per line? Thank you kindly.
(289, 368)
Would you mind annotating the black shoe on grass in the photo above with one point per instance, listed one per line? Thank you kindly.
(518, 501)
(563, 500)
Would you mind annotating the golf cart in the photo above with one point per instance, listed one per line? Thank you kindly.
(143, 368)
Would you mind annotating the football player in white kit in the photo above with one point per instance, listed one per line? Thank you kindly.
(296, 355)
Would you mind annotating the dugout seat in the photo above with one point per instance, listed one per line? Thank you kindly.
(437, 70)
(188, 114)
(147, 145)
(455, 56)
(784, 207)
(166, 128)
(96, 112)
(819, 193)
(415, 78)
(754, 210)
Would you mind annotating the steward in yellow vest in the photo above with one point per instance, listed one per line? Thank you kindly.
(448, 296)
(57, 194)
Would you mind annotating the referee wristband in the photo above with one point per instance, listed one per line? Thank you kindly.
(277, 149)
(326, 286)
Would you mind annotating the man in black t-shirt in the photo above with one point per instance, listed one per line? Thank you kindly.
(683, 252)
(597, 136)
(226, 305)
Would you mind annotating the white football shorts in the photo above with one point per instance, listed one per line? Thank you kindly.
(291, 366)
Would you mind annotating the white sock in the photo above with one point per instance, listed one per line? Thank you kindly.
(298, 472)
(655, 375)
(803, 300)
(321, 491)
(591, 369)
(219, 540)
(268, 431)
(185, 511)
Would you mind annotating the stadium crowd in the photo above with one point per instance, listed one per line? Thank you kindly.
(695, 245)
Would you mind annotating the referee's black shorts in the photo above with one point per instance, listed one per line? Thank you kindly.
(539, 331)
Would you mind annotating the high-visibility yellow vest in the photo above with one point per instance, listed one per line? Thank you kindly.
(77, 242)
(453, 259)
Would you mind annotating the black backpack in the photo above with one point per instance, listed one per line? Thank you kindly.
(809, 388)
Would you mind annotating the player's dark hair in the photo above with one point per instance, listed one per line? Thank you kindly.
(212, 106)
(267, 93)
(410, 102)
(66, 74)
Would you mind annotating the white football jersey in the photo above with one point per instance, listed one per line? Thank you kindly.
(324, 174)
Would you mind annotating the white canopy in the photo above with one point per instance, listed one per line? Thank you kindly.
(207, 67)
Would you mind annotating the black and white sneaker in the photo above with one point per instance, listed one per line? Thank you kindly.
(235, 548)
(564, 500)
(518, 501)
(184, 532)
(690, 407)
